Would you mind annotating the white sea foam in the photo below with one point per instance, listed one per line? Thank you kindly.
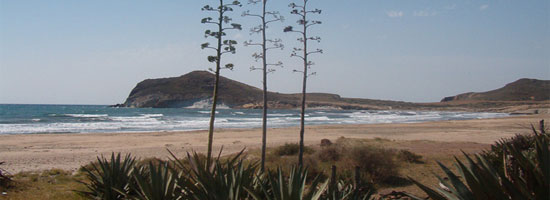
(322, 118)
(207, 112)
(134, 119)
(183, 120)
(152, 115)
(207, 104)
(87, 115)
(279, 115)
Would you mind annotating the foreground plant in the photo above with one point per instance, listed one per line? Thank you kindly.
(109, 179)
(528, 179)
(340, 190)
(156, 182)
(4, 179)
(222, 180)
(292, 188)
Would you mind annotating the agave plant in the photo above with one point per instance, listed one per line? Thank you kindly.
(293, 188)
(4, 179)
(222, 180)
(156, 183)
(482, 180)
(109, 179)
(340, 190)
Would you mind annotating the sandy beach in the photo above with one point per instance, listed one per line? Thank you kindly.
(30, 152)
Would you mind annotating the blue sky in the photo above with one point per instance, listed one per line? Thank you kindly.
(95, 52)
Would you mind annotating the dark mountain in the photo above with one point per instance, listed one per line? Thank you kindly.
(195, 90)
(520, 90)
(197, 86)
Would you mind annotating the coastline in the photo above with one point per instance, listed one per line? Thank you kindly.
(69, 151)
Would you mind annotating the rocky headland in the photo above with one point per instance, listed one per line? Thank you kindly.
(194, 90)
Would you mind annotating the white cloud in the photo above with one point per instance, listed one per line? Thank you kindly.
(394, 13)
(483, 7)
(424, 13)
(450, 7)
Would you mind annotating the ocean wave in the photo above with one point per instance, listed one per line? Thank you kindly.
(322, 118)
(279, 115)
(193, 119)
(206, 104)
(152, 115)
(133, 119)
(87, 115)
(207, 112)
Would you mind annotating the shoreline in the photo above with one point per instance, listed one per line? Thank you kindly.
(115, 125)
(69, 151)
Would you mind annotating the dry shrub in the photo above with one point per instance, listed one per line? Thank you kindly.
(325, 142)
(330, 153)
(314, 168)
(407, 156)
(378, 164)
(290, 149)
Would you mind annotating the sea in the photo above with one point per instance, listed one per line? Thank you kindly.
(32, 119)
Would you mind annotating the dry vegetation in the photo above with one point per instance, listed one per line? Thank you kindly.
(386, 162)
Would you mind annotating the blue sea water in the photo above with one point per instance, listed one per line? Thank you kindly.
(28, 119)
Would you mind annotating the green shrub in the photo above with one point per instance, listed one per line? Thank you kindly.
(290, 149)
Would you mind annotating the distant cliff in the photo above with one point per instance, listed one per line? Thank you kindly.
(520, 90)
(195, 90)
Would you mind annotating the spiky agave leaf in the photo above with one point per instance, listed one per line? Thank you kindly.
(159, 183)
(484, 181)
(109, 179)
(280, 187)
(223, 180)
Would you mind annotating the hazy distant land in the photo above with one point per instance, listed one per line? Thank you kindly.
(524, 95)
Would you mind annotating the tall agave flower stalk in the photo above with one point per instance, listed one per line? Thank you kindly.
(223, 46)
(266, 17)
(303, 53)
